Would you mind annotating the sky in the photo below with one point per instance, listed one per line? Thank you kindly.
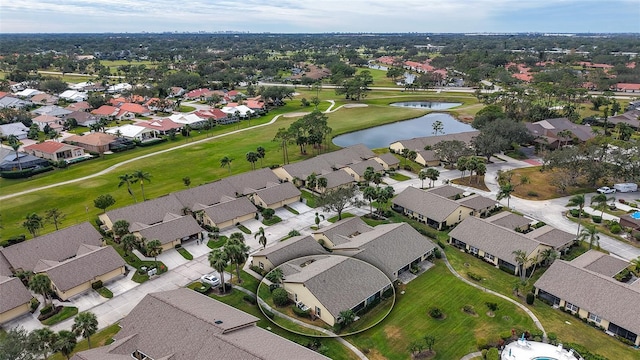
(320, 16)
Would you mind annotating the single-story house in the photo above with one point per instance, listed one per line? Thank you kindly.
(137, 109)
(549, 131)
(200, 197)
(248, 183)
(79, 106)
(427, 157)
(388, 161)
(51, 110)
(627, 87)
(431, 209)
(276, 196)
(56, 151)
(279, 253)
(192, 120)
(358, 169)
(176, 91)
(14, 299)
(511, 221)
(162, 126)
(83, 118)
(10, 102)
(44, 99)
(118, 88)
(74, 95)
(421, 143)
(630, 118)
(42, 121)
(630, 222)
(220, 117)
(481, 205)
(133, 132)
(172, 232)
(27, 93)
(9, 161)
(106, 111)
(586, 287)
(95, 142)
(329, 285)
(447, 191)
(144, 214)
(201, 93)
(229, 213)
(16, 129)
(201, 326)
(335, 180)
(240, 110)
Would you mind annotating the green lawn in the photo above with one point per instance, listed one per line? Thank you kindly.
(65, 313)
(101, 338)
(379, 77)
(214, 244)
(311, 199)
(345, 215)
(399, 177)
(185, 253)
(456, 335)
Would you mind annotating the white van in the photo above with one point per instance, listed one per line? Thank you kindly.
(626, 187)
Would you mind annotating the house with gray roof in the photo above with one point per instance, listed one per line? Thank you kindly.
(549, 132)
(195, 327)
(358, 169)
(586, 288)
(51, 110)
(512, 221)
(420, 143)
(14, 298)
(388, 161)
(283, 251)
(172, 232)
(200, 197)
(329, 285)
(229, 212)
(431, 209)
(447, 191)
(145, 213)
(10, 161)
(247, 183)
(559, 240)
(392, 248)
(276, 195)
(10, 102)
(341, 231)
(16, 129)
(335, 180)
(481, 205)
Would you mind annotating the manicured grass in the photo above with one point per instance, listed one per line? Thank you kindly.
(244, 229)
(185, 253)
(104, 292)
(344, 216)
(456, 335)
(399, 177)
(214, 244)
(292, 210)
(310, 199)
(273, 220)
(134, 261)
(101, 338)
(477, 183)
(65, 313)
(540, 184)
(186, 109)
(379, 77)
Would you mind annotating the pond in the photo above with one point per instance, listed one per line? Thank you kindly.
(432, 105)
(383, 135)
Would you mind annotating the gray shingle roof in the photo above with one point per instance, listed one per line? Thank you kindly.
(428, 204)
(295, 247)
(598, 294)
(600, 263)
(337, 178)
(249, 182)
(388, 158)
(12, 293)
(278, 192)
(229, 210)
(389, 247)
(172, 230)
(493, 239)
(428, 155)
(477, 202)
(207, 194)
(329, 162)
(87, 267)
(552, 236)
(148, 212)
(448, 191)
(340, 231)
(421, 142)
(57, 246)
(509, 220)
(360, 167)
(340, 283)
(195, 327)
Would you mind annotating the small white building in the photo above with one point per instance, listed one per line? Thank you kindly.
(242, 110)
(73, 95)
(133, 132)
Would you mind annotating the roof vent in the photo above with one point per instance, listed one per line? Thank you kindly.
(218, 322)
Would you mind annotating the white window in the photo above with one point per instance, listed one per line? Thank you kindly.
(571, 307)
(295, 297)
(489, 256)
(317, 311)
(261, 265)
(595, 318)
(473, 250)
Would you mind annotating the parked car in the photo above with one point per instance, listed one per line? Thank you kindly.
(210, 279)
(606, 190)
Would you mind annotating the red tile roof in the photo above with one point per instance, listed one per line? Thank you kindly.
(79, 106)
(106, 110)
(3, 94)
(160, 125)
(134, 108)
(49, 147)
(627, 86)
(211, 113)
(197, 93)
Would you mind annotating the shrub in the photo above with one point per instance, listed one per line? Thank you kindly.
(250, 299)
(268, 313)
(532, 193)
(493, 354)
(280, 297)
(474, 276)
(203, 288)
(16, 239)
(553, 338)
(96, 285)
(268, 213)
(437, 254)
(530, 298)
(505, 335)
(482, 344)
(301, 313)
(484, 353)
(492, 306)
(436, 313)
(596, 219)
(616, 228)
(33, 305)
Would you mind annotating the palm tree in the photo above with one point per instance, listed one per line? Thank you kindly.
(412, 155)
(15, 145)
(127, 179)
(312, 181)
(522, 260)
(275, 276)
(85, 324)
(261, 154)
(347, 317)
(252, 157)
(565, 135)
(370, 194)
(505, 192)
(481, 170)
(237, 251)
(154, 248)
(120, 228)
(54, 216)
(262, 239)
(226, 161)
(141, 176)
(548, 256)
(577, 200)
(432, 174)
(66, 343)
(322, 183)
(33, 223)
(41, 284)
(377, 179)
(438, 127)
(128, 242)
(42, 341)
(590, 234)
(218, 260)
(368, 174)
(601, 201)
(422, 175)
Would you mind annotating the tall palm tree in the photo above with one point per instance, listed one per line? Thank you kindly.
(252, 157)
(601, 201)
(127, 179)
(548, 256)
(85, 324)
(141, 176)
(237, 251)
(522, 260)
(579, 201)
(261, 154)
(54, 216)
(312, 181)
(226, 161)
(15, 145)
(154, 248)
(481, 170)
(377, 179)
(66, 343)
(368, 175)
(262, 238)
(128, 242)
(120, 228)
(41, 284)
(590, 234)
(432, 175)
(322, 183)
(370, 194)
(422, 175)
(218, 260)
(42, 341)
(505, 192)
(33, 223)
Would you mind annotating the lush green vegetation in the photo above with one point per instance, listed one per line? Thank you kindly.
(101, 338)
(344, 216)
(185, 253)
(214, 244)
(105, 292)
(65, 313)
(399, 177)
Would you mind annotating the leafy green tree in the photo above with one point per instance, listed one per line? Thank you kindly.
(41, 284)
(154, 248)
(262, 238)
(141, 176)
(102, 202)
(186, 181)
(42, 341)
(449, 151)
(226, 162)
(218, 260)
(54, 216)
(33, 224)
(590, 235)
(337, 200)
(85, 324)
(280, 297)
(14, 345)
(66, 343)
(429, 341)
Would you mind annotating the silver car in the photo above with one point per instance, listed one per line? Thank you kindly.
(210, 279)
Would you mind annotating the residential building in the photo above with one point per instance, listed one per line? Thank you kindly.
(81, 117)
(358, 169)
(190, 119)
(106, 111)
(427, 207)
(335, 180)
(10, 102)
(229, 212)
(79, 106)
(145, 214)
(10, 161)
(249, 182)
(202, 328)
(276, 196)
(51, 110)
(329, 285)
(388, 161)
(341, 231)
(96, 142)
(54, 123)
(133, 132)
(511, 221)
(14, 298)
(171, 231)
(56, 151)
(44, 99)
(279, 253)
(627, 87)
(16, 129)
(200, 197)
(587, 288)
(162, 126)
(421, 143)
(74, 95)
(550, 132)
(631, 118)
